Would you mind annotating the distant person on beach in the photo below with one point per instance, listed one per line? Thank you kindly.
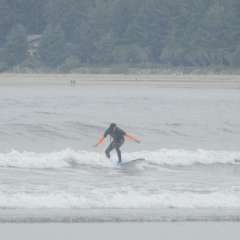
(117, 134)
(73, 82)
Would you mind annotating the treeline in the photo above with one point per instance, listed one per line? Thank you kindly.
(79, 33)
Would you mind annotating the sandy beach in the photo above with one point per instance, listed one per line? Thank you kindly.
(165, 80)
(126, 231)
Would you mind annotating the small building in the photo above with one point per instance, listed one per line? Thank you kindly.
(33, 44)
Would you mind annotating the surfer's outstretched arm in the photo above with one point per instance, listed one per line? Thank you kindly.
(99, 141)
(133, 138)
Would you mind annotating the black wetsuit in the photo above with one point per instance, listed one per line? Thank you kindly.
(118, 140)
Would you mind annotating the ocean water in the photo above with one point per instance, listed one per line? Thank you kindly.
(189, 139)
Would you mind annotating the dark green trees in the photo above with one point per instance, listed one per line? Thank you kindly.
(16, 46)
(104, 32)
(53, 48)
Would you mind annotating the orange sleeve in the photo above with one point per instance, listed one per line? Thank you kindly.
(130, 136)
(100, 140)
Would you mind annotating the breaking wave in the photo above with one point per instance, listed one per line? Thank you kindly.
(70, 158)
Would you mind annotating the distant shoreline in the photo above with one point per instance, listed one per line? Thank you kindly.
(165, 79)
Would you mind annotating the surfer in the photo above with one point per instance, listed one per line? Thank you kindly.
(118, 139)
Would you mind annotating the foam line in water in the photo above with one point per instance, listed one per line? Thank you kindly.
(127, 198)
(69, 158)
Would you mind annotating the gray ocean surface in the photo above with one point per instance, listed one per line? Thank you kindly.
(50, 172)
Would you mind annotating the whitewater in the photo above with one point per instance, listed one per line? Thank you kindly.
(50, 172)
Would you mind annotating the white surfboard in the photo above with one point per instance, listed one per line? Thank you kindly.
(134, 161)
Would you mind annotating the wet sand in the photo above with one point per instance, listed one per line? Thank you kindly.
(119, 231)
(165, 80)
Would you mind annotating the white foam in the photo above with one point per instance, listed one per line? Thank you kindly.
(62, 159)
(69, 157)
(181, 157)
(121, 199)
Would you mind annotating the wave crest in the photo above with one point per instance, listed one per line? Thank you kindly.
(69, 158)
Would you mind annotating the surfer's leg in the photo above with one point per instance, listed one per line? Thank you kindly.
(109, 149)
(117, 146)
(119, 155)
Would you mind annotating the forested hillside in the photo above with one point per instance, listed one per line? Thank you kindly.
(77, 33)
